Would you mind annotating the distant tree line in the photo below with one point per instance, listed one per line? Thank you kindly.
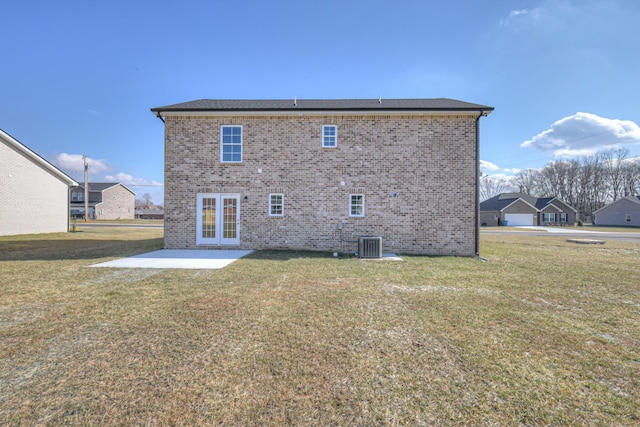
(145, 202)
(587, 183)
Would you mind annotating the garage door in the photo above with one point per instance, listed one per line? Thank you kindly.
(519, 219)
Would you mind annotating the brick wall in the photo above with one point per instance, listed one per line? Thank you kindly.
(117, 203)
(417, 174)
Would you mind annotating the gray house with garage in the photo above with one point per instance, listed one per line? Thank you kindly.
(519, 209)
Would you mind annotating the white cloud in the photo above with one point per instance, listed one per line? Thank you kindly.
(501, 177)
(130, 180)
(488, 166)
(492, 170)
(584, 134)
(75, 163)
(516, 15)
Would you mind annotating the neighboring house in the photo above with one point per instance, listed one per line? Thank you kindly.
(319, 174)
(523, 209)
(107, 200)
(622, 212)
(146, 213)
(34, 194)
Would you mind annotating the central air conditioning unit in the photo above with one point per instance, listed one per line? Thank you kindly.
(370, 247)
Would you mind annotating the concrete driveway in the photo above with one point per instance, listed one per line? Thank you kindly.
(631, 236)
(178, 258)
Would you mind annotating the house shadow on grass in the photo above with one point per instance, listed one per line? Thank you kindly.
(72, 249)
(288, 255)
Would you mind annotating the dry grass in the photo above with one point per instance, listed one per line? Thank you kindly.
(544, 333)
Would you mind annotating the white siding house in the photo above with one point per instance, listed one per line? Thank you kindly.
(34, 194)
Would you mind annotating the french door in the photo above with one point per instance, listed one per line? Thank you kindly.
(218, 219)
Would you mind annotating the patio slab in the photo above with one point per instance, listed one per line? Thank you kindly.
(178, 258)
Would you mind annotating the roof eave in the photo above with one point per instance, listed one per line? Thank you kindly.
(38, 159)
(523, 201)
(201, 112)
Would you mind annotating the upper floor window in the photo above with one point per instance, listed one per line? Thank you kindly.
(329, 136)
(276, 205)
(356, 205)
(77, 196)
(231, 144)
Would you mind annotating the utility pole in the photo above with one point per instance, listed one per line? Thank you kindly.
(86, 189)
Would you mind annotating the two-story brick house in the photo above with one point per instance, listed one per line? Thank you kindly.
(107, 200)
(319, 174)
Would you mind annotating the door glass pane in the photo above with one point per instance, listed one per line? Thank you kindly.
(229, 218)
(209, 217)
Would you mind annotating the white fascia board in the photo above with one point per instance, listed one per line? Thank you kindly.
(567, 205)
(126, 188)
(522, 200)
(37, 159)
(551, 205)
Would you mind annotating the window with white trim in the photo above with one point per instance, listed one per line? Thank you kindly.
(329, 136)
(563, 217)
(549, 217)
(231, 144)
(276, 204)
(356, 205)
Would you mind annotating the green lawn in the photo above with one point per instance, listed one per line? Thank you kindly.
(544, 332)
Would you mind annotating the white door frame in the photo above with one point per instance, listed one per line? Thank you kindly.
(226, 227)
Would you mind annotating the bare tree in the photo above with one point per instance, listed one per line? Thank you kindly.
(587, 183)
(492, 186)
(145, 201)
(613, 163)
(631, 177)
(527, 181)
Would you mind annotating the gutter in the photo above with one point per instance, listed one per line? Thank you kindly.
(477, 178)
(69, 190)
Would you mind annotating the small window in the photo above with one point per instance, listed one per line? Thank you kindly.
(356, 205)
(563, 217)
(276, 204)
(329, 136)
(627, 217)
(231, 144)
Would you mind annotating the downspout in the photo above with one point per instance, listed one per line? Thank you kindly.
(69, 218)
(477, 178)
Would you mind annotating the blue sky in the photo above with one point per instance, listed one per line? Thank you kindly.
(79, 77)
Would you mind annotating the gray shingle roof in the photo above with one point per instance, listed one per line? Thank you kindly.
(497, 203)
(437, 104)
(501, 201)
